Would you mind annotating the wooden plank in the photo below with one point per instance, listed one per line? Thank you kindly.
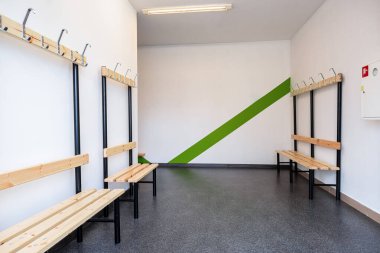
(53, 236)
(19, 228)
(15, 29)
(324, 83)
(118, 149)
(316, 165)
(322, 165)
(141, 154)
(142, 173)
(33, 233)
(17, 177)
(131, 173)
(125, 81)
(318, 142)
(297, 160)
(112, 178)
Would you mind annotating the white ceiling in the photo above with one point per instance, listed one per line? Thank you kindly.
(249, 20)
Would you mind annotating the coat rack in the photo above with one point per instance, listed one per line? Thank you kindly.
(17, 30)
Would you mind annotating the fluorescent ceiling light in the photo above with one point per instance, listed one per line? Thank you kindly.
(187, 9)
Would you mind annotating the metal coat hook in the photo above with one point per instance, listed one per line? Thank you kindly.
(84, 51)
(1, 24)
(24, 23)
(59, 41)
(312, 79)
(134, 79)
(322, 76)
(333, 70)
(126, 73)
(114, 71)
(297, 85)
(43, 43)
(304, 83)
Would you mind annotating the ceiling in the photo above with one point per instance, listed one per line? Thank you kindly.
(249, 20)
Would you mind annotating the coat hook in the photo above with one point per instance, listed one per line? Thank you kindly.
(312, 79)
(304, 83)
(1, 24)
(59, 42)
(43, 43)
(24, 23)
(322, 76)
(333, 70)
(134, 80)
(297, 85)
(84, 51)
(114, 71)
(126, 73)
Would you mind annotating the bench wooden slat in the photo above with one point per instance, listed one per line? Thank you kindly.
(120, 173)
(142, 173)
(310, 160)
(307, 161)
(318, 142)
(129, 174)
(321, 165)
(39, 229)
(25, 175)
(21, 227)
(293, 158)
(118, 149)
(53, 236)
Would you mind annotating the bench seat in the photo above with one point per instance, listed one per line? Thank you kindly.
(307, 161)
(132, 174)
(44, 230)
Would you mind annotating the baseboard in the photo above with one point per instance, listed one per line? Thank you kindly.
(217, 165)
(349, 201)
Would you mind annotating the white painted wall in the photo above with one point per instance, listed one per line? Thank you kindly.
(36, 111)
(188, 91)
(344, 35)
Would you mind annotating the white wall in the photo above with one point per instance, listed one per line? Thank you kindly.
(36, 111)
(344, 35)
(188, 91)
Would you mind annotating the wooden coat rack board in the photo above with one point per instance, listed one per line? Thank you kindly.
(117, 77)
(13, 28)
(326, 82)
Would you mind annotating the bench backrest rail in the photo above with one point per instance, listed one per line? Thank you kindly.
(21, 176)
(118, 149)
(319, 142)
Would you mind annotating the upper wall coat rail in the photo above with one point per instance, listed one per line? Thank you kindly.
(326, 82)
(118, 77)
(15, 29)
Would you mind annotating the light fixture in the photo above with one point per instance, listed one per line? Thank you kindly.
(187, 9)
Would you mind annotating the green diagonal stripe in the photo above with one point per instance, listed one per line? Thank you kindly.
(233, 124)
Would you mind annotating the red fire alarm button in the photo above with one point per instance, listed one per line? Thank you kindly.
(365, 71)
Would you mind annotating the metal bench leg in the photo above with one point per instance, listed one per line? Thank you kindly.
(131, 190)
(80, 234)
(278, 163)
(311, 184)
(136, 200)
(337, 191)
(154, 184)
(291, 171)
(116, 205)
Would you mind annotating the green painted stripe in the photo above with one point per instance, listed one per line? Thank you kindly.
(142, 160)
(233, 124)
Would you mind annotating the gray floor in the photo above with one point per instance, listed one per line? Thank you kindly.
(233, 210)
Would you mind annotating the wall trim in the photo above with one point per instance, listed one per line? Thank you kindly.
(217, 165)
(372, 214)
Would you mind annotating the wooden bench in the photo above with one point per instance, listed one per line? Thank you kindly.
(42, 231)
(308, 162)
(133, 174)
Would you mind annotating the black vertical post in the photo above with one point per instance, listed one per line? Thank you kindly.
(339, 139)
(291, 171)
(311, 172)
(130, 121)
(117, 220)
(136, 200)
(105, 136)
(295, 144)
(278, 163)
(154, 183)
(130, 133)
(78, 183)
